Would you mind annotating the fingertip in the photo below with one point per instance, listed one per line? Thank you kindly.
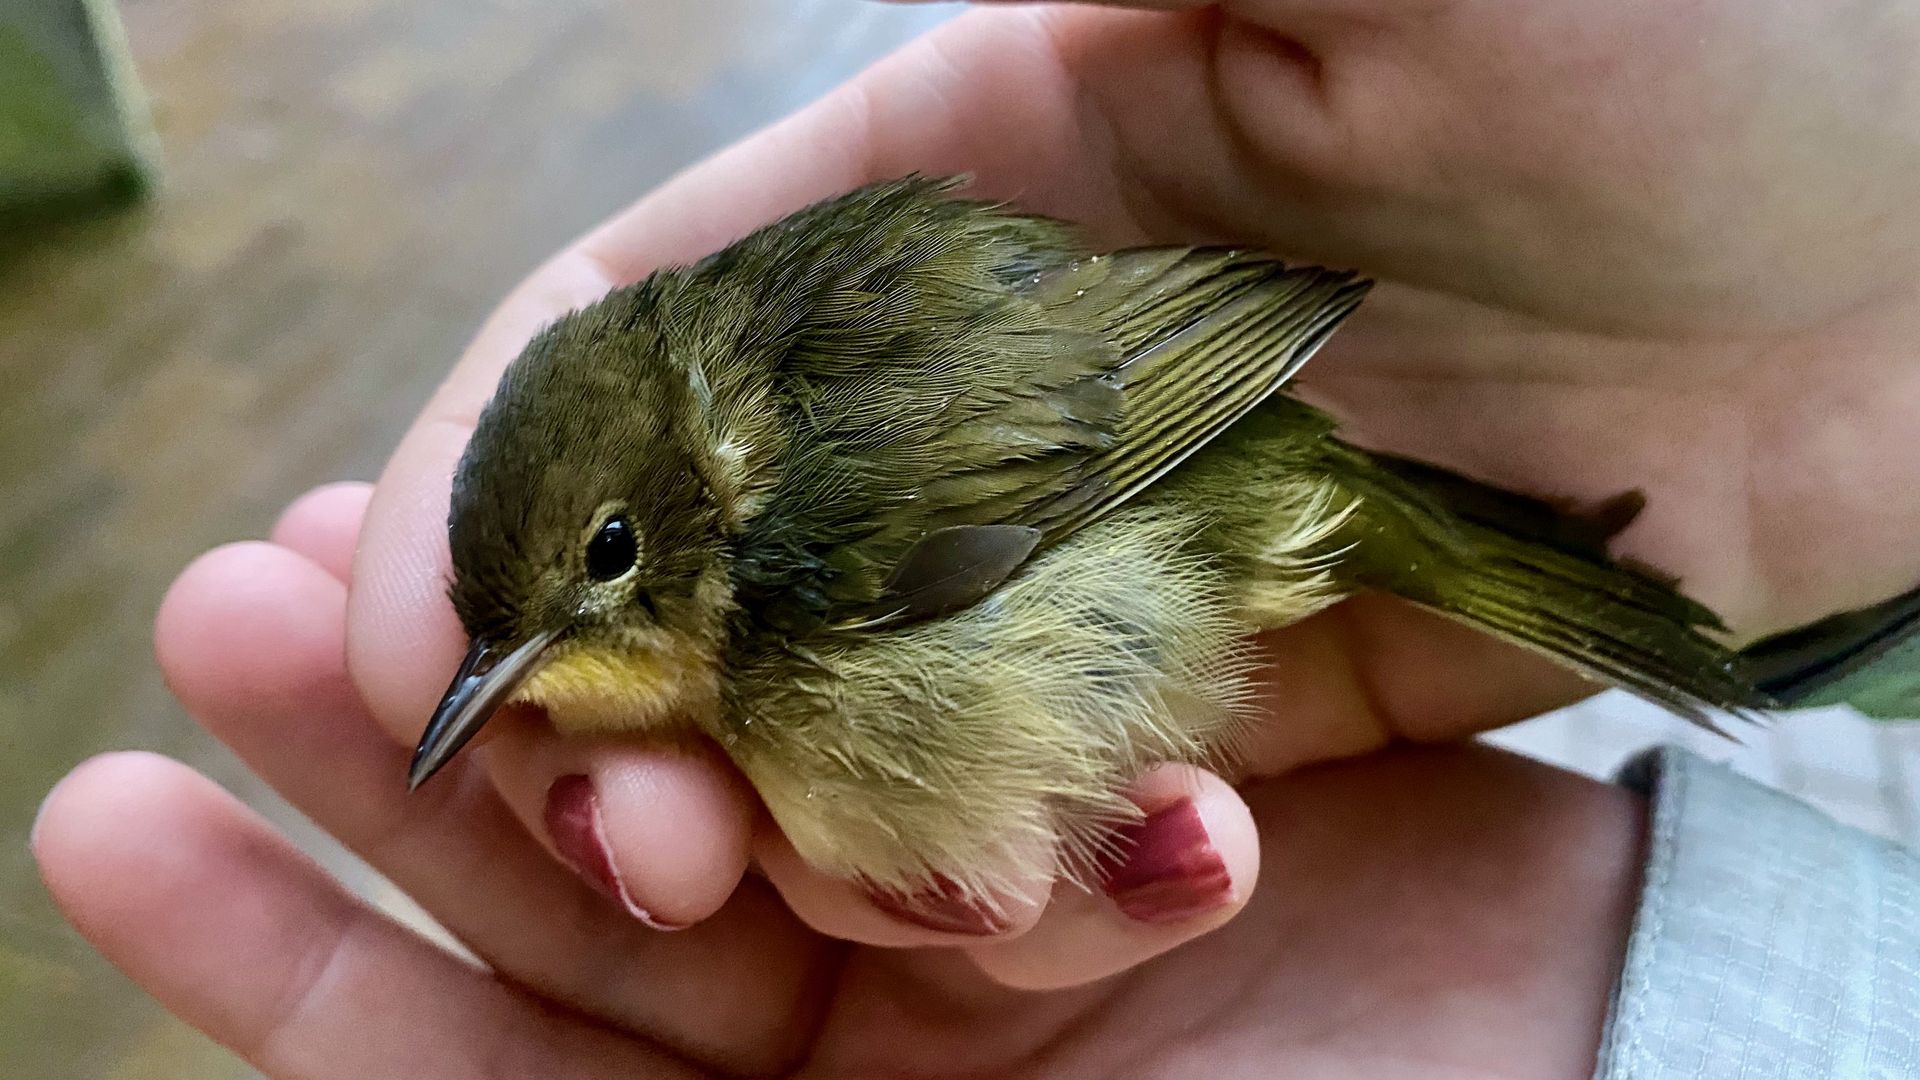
(247, 623)
(1188, 868)
(678, 824)
(662, 831)
(1226, 824)
(324, 525)
(106, 810)
(57, 809)
(206, 577)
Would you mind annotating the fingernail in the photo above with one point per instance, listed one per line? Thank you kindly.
(573, 821)
(943, 906)
(1170, 871)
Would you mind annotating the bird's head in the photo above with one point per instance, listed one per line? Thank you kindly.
(590, 526)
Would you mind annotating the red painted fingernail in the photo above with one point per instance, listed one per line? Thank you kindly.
(1170, 871)
(944, 906)
(573, 821)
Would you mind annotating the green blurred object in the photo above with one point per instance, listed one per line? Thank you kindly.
(1869, 659)
(74, 133)
(1887, 689)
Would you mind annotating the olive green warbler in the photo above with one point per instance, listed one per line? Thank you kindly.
(944, 528)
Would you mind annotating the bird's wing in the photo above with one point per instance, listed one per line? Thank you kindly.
(1194, 339)
(1204, 336)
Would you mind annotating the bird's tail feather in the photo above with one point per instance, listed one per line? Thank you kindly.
(1539, 575)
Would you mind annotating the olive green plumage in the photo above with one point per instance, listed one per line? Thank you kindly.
(944, 528)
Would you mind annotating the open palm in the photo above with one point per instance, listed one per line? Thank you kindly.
(1623, 246)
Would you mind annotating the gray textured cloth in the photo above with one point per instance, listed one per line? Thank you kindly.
(1770, 942)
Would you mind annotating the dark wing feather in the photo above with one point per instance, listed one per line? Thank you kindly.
(951, 569)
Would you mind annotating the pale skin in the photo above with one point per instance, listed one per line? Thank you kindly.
(1628, 245)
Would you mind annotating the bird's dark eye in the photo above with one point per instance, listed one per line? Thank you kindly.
(612, 550)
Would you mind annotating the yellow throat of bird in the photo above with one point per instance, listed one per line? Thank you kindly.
(592, 689)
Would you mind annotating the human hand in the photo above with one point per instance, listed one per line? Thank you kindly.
(1446, 912)
(1624, 247)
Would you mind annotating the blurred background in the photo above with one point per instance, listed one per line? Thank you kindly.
(336, 193)
(239, 243)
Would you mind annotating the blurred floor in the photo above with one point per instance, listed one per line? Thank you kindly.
(348, 186)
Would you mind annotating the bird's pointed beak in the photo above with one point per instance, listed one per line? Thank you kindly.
(486, 680)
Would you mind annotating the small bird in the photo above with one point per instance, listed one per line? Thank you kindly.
(945, 527)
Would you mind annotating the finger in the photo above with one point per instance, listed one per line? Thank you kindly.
(324, 525)
(942, 915)
(1185, 870)
(200, 902)
(932, 917)
(662, 830)
(1375, 670)
(250, 640)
